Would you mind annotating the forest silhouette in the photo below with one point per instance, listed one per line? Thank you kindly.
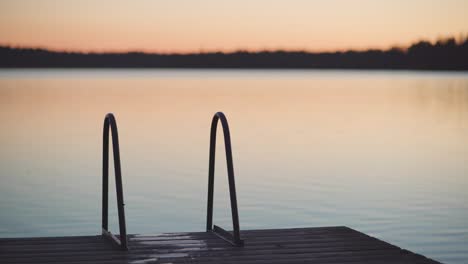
(444, 54)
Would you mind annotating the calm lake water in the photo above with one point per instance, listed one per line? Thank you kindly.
(383, 152)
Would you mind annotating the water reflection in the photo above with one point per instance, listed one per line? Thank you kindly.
(383, 152)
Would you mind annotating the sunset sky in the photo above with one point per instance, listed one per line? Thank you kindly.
(211, 25)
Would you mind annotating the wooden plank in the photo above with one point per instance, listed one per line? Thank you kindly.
(173, 236)
(211, 251)
(105, 247)
(296, 245)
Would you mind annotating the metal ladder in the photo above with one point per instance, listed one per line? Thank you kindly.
(121, 242)
(235, 238)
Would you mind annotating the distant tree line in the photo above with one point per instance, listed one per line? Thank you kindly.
(445, 54)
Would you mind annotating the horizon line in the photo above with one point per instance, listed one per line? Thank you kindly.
(201, 51)
(403, 48)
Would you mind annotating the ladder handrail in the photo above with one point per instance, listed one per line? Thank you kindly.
(110, 123)
(235, 238)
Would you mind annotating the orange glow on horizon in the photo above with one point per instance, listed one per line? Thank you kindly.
(208, 25)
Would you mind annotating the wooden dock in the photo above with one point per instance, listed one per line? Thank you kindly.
(297, 245)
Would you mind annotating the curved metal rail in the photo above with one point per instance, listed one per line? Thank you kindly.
(235, 238)
(110, 123)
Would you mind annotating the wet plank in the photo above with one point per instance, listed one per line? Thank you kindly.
(295, 245)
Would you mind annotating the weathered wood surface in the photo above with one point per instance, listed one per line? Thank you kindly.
(297, 245)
